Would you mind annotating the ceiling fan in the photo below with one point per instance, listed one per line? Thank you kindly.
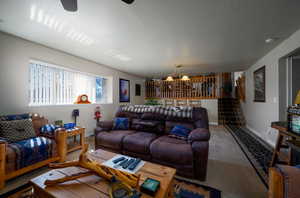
(71, 5)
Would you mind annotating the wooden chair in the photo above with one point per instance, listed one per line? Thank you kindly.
(284, 182)
(60, 138)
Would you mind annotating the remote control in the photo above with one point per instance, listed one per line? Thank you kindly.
(134, 164)
(128, 163)
(115, 161)
(123, 162)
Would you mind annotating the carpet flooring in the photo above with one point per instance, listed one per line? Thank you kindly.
(228, 169)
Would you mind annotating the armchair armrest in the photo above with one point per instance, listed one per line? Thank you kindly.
(199, 134)
(60, 137)
(284, 181)
(2, 162)
(3, 141)
(104, 126)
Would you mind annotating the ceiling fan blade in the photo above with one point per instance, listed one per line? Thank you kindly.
(128, 1)
(69, 5)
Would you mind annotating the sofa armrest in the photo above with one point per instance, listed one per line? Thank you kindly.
(199, 134)
(200, 153)
(104, 126)
(61, 141)
(60, 137)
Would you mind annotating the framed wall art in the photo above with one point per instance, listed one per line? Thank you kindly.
(137, 90)
(124, 90)
(259, 80)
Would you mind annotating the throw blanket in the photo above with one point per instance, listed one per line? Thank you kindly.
(32, 150)
(179, 112)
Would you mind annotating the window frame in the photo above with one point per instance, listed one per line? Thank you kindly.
(34, 61)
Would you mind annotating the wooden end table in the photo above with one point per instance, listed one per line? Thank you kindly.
(74, 133)
(96, 187)
(284, 135)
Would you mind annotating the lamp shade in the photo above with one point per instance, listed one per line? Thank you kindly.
(185, 77)
(297, 100)
(169, 78)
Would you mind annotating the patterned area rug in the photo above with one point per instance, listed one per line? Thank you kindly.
(182, 189)
(258, 152)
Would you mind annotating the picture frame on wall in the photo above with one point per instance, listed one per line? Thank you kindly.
(124, 90)
(259, 80)
(137, 90)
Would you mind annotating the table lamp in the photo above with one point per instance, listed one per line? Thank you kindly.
(297, 100)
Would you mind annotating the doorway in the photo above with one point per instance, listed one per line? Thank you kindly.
(289, 82)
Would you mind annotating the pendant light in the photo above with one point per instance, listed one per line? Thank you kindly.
(177, 75)
(185, 78)
(169, 78)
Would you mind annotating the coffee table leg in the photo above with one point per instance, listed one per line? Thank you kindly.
(171, 190)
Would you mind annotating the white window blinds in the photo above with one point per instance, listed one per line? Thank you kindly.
(50, 85)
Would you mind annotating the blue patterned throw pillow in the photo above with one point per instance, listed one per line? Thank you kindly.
(180, 131)
(48, 128)
(121, 124)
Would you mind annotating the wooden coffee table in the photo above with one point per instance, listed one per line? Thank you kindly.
(96, 187)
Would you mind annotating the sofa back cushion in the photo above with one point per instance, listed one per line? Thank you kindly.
(152, 116)
(17, 130)
(171, 124)
(153, 126)
(38, 122)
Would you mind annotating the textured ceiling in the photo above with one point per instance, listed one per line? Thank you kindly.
(149, 37)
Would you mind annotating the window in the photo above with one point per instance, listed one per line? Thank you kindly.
(53, 85)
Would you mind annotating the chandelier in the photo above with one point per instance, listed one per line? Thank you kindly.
(177, 75)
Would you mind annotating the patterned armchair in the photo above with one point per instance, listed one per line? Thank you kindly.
(19, 157)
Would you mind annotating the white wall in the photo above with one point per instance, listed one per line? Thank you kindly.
(260, 115)
(211, 105)
(15, 54)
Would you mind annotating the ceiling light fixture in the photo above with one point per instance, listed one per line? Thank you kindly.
(185, 78)
(170, 78)
(271, 39)
(177, 75)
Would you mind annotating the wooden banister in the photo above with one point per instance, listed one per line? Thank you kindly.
(200, 87)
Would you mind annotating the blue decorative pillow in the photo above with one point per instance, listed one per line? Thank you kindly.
(180, 131)
(48, 128)
(121, 124)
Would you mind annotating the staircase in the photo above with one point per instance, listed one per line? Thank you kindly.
(230, 112)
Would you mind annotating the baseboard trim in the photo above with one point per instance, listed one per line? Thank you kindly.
(256, 133)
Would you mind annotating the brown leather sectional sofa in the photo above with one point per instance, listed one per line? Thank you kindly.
(189, 156)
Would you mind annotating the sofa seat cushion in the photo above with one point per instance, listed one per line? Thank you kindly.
(139, 142)
(171, 150)
(112, 139)
(28, 152)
